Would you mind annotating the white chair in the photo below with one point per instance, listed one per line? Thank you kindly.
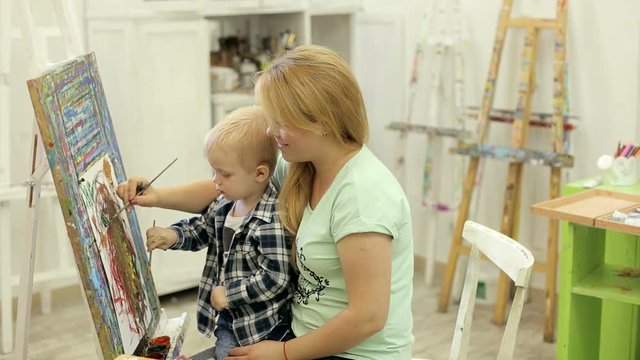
(512, 258)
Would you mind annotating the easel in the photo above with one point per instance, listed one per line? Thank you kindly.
(63, 87)
(56, 273)
(517, 154)
(442, 34)
(39, 166)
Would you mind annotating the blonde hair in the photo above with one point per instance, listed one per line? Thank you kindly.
(311, 88)
(245, 131)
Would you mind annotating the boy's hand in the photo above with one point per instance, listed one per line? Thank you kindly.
(160, 238)
(219, 298)
(127, 191)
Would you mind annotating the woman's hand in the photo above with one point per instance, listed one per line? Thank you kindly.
(127, 191)
(264, 350)
(160, 238)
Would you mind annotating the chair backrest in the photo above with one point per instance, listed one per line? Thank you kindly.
(512, 258)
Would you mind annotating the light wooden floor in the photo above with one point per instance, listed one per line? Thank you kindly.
(67, 332)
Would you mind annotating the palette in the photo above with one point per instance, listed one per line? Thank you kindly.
(166, 342)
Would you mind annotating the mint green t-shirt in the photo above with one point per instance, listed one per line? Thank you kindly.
(364, 197)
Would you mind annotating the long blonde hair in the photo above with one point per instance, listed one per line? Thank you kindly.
(311, 88)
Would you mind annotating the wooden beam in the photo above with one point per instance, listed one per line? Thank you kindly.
(525, 22)
(532, 157)
(430, 130)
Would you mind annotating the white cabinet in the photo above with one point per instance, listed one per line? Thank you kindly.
(329, 24)
(154, 73)
(335, 31)
(379, 65)
(252, 26)
(333, 24)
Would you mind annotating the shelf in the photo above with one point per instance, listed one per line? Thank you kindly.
(212, 11)
(333, 10)
(606, 283)
(234, 97)
(225, 102)
(333, 7)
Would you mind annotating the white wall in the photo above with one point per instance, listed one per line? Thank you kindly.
(603, 58)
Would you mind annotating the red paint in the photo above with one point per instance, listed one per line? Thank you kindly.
(160, 340)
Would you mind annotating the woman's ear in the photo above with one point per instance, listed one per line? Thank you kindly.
(262, 173)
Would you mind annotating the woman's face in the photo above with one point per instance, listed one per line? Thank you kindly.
(296, 145)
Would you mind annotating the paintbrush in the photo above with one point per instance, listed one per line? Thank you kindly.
(151, 251)
(142, 189)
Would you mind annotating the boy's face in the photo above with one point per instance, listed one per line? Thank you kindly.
(232, 179)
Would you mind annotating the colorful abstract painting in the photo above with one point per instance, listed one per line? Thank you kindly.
(81, 147)
(113, 239)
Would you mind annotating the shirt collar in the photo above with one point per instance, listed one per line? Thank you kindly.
(264, 209)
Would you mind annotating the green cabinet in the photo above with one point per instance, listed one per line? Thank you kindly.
(598, 307)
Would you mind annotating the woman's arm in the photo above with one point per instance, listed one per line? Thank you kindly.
(192, 197)
(366, 265)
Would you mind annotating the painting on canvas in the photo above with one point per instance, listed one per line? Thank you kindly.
(82, 151)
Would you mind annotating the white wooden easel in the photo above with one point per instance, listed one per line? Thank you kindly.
(39, 165)
(6, 315)
(446, 41)
(442, 36)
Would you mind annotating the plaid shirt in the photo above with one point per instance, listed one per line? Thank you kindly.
(257, 276)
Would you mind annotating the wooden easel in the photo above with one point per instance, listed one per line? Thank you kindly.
(517, 154)
(39, 165)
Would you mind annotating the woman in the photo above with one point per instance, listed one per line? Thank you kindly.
(353, 247)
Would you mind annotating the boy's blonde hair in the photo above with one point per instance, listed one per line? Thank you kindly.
(244, 130)
(311, 88)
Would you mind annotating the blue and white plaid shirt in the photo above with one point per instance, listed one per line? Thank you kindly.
(257, 277)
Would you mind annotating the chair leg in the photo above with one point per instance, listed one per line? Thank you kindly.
(508, 344)
(462, 331)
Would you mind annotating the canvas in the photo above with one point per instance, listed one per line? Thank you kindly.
(82, 151)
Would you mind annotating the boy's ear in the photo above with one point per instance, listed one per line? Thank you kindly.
(262, 173)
